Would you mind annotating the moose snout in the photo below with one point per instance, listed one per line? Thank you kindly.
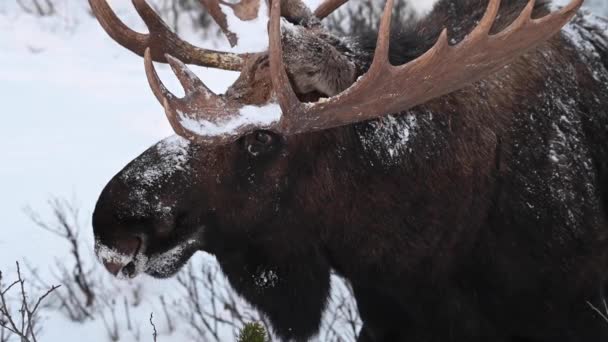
(115, 268)
(119, 258)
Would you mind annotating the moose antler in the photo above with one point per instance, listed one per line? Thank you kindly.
(385, 89)
(328, 7)
(244, 10)
(161, 39)
(212, 109)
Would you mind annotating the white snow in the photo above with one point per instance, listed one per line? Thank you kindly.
(390, 138)
(245, 30)
(149, 171)
(262, 117)
(266, 279)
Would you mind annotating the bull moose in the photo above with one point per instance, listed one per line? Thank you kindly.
(454, 170)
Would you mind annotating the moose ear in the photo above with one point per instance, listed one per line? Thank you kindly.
(314, 64)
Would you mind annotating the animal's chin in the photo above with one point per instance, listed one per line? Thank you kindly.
(163, 269)
(166, 272)
(168, 263)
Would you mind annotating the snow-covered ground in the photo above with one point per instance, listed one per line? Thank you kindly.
(76, 108)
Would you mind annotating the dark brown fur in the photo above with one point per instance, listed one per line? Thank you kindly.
(488, 224)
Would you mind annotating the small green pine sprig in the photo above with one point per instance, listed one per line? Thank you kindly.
(253, 332)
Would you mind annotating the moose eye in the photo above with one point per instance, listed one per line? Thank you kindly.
(259, 142)
(263, 138)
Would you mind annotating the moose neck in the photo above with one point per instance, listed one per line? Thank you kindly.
(439, 164)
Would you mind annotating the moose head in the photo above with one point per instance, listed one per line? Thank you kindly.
(269, 153)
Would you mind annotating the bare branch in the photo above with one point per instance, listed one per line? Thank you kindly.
(154, 333)
(79, 295)
(170, 324)
(25, 326)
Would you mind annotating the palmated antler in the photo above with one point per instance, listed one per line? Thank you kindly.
(161, 39)
(387, 89)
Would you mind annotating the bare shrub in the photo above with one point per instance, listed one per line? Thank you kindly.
(77, 297)
(603, 311)
(175, 11)
(154, 332)
(4, 333)
(22, 322)
(357, 17)
(40, 8)
(168, 318)
(208, 304)
(341, 322)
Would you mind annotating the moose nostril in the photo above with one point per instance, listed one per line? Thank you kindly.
(112, 267)
(129, 270)
(120, 258)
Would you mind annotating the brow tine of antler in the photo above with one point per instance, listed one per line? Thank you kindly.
(161, 39)
(163, 95)
(200, 108)
(189, 81)
(158, 88)
(328, 7)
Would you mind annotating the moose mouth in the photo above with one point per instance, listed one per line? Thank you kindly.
(128, 259)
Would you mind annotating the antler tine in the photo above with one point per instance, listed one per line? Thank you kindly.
(244, 10)
(383, 41)
(386, 89)
(280, 81)
(199, 110)
(158, 88)
(161, 39)
(328, 7)
(524, 17)
(486, 23)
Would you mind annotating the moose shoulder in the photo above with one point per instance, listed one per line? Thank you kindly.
(457, 179)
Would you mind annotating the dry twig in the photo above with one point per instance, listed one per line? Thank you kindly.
(154, 333)
(24, 325)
